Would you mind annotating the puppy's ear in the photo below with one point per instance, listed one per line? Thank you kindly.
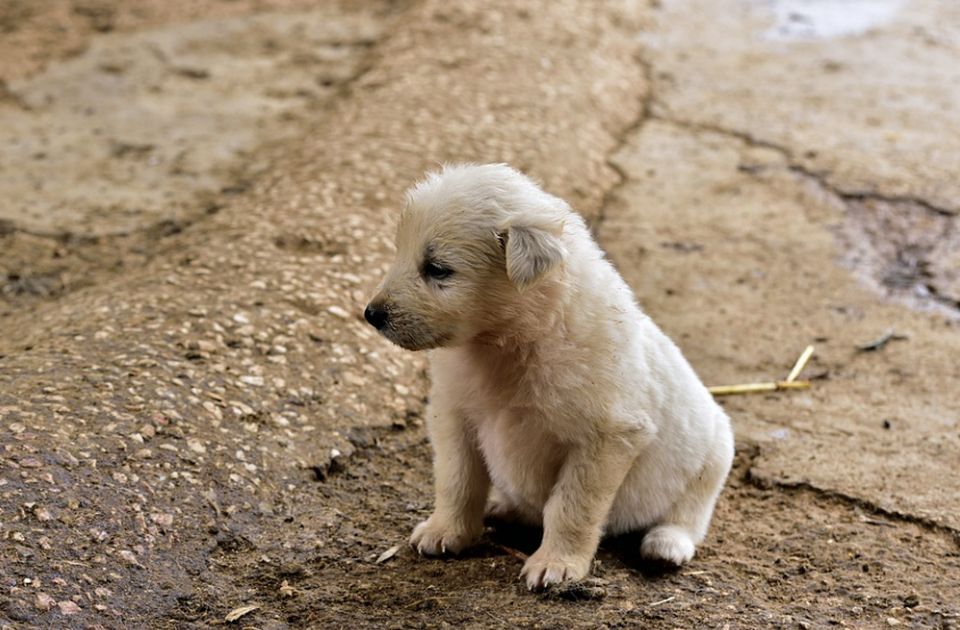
(531, 252)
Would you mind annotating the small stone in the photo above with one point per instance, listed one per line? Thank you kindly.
(403, 390)
(286, 590)
(893, 621)
(148, 431)
(30, 462)
(241, 318)
(911, 601)
(250, 379)
(354, 379)
(338, 311)
(44, 601)
(129, 557)
(162, 519)
(196, 446)
(17, 428)
(42, 514)
(68, 608)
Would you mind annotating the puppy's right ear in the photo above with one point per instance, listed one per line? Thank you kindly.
(531, 253)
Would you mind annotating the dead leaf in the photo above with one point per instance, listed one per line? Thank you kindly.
(286, 590)
(389, 553)
(236, 613)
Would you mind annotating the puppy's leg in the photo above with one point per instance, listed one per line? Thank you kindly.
(462, 484)
(575, 513)
(674, 539)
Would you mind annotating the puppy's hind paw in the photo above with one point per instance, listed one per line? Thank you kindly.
(434, 537)
(669, 544)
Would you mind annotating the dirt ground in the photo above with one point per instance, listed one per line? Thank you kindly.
(196, 200)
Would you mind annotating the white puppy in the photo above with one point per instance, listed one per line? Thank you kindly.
(549, 383)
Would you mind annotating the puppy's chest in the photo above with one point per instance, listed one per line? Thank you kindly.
(535, 403)
(523, 458)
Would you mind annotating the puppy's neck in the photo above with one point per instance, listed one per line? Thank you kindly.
(537, 314)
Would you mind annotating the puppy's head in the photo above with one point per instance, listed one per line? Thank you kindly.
(472, 244)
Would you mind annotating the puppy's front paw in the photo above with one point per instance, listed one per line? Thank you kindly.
(546, 567)
(436, 536)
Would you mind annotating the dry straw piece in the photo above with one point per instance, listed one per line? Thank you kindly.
(791, 381)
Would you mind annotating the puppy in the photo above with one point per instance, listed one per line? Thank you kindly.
(554, 396)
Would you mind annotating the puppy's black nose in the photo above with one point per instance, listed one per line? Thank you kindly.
(376, 315)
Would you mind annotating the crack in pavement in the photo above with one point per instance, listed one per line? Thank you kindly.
(924, 287)
(766, 482)
(643, 116)
(930, 292)
(794, 166)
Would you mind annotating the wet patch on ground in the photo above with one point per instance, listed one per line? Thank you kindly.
(906, 250)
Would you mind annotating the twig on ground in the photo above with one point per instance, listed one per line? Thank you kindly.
(773, 386)
(800, 364)
(510, 550)
(662, 601)
(756, 388)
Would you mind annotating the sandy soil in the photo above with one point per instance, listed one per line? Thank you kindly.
(196, 202)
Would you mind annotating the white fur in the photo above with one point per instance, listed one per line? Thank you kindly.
(550, 385)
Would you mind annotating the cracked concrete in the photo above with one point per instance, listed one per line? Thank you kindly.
(869, 117)
(763, 238)
(779, 216)
(892, 88)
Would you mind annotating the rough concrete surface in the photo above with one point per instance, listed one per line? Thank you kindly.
(195, 421)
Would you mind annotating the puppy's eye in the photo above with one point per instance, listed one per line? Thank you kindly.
(436, 271)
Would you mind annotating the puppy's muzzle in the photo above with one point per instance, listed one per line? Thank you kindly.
(376, 315)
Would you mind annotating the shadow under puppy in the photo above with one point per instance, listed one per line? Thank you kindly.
(555, 399)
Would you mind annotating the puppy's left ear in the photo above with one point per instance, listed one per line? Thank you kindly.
(532, 252)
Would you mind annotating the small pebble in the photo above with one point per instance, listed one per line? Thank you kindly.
(44, 601)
